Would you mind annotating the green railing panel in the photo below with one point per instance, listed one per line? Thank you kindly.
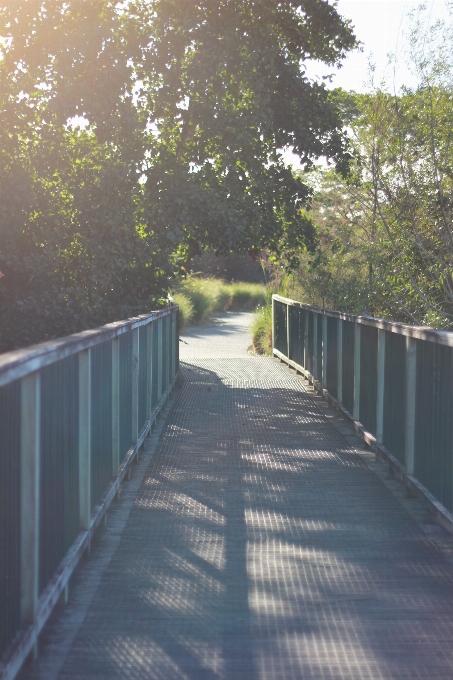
(332, 356)
(348, 365)
(397, 380)
(395, 395)
(434, 420)
(101, 420)
(59, 470)
(368, 377)
(310, 342)
(280, 330)
(10, 422)
(70, 411)
(125, 393)
(143, 376)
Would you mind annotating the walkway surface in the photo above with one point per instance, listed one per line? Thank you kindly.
(259, 546)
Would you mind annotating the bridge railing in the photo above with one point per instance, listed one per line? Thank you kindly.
(73, 415)
(393, 381)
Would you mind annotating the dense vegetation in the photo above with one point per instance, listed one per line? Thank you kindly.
(386, 234)
(198, 298)
(134, 135)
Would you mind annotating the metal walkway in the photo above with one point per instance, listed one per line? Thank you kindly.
(259, 546)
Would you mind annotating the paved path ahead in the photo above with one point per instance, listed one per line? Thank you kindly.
(259, 546)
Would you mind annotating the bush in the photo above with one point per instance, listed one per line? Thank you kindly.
(247, 296)
(186, 310)
(209, 295)
(262, 329)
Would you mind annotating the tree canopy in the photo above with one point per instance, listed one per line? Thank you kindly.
(386, 234)
(133, 135)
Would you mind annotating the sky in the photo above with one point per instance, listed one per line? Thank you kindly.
(380, 25)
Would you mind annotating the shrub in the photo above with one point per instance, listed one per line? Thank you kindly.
(186, 310)
(209, 295)
(262, 329)
(247, 296)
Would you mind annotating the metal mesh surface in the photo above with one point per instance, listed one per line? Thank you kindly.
(260, 547)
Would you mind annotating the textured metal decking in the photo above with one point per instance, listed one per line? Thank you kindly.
(259, 546)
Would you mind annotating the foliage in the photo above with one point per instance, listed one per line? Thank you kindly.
(262, 330)
(386, 233)
(208, 295)
(186, 309)
(335, 277)
(246, 296)
(230, 267)
(262, 319)
(134, 135)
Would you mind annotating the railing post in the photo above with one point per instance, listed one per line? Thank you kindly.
(288, 330)
(29, 497)
(305, 338)
(380, 386)
(172, 345)
(315, 346)
(168, 350)
(324, 351)
(115, 406)
(273, 324)
(340, 361)
(176, 346)
(135, 372)
(149, 369)
(159, 358)
(356, 409)
(411, 379)
(85, 438)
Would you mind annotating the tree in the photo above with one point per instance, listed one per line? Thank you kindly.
(134, 135)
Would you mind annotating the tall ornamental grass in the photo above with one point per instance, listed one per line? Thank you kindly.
(198, 298)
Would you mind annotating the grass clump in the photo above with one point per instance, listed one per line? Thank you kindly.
(246, 296)
(262, 329)
(209, 295)
(186, 309)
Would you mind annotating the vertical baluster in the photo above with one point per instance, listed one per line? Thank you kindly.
(411, 379)
(135, 372)
(30, 487)
(357, 336)
(115, 406)
(173, 345)
(380, 386)
(168, 349)
(305, 313)
(340, 361)
(288, 330)
(85, 438)
(315, 346)
(273, 325)
(159, 359)
(324, 351)
(149, 369)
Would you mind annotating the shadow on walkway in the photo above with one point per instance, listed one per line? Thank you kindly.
(261, 547)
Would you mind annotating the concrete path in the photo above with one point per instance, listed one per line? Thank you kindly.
(259, 546)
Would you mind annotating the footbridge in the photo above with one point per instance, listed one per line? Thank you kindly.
(188, 510)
